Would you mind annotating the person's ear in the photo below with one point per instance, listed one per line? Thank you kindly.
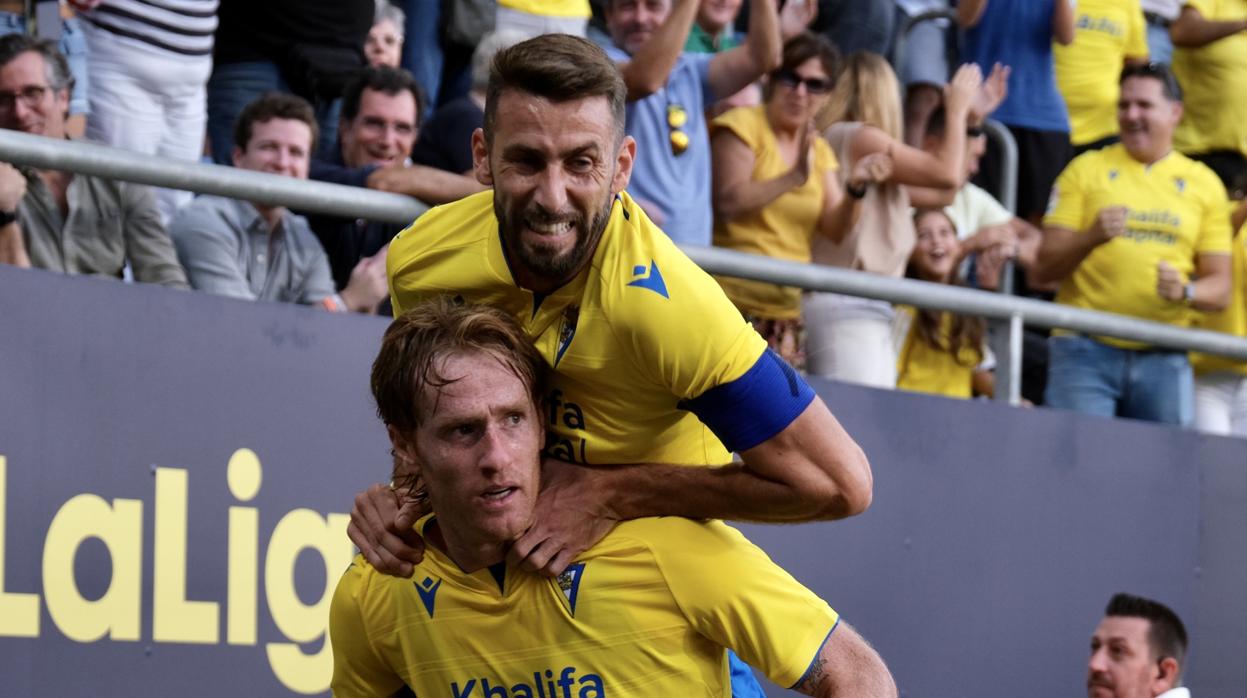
(237, 156)
(404, 448)
(1177, 113)
(480, 159)
(1166, 675)
(624, 160)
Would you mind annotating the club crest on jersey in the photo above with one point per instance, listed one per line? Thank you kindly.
(567, 331)
(569, 585)
(428, 592)
(651, 279)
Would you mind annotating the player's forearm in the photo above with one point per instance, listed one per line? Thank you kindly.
(647, 70)
(12, 247)
(812, 470)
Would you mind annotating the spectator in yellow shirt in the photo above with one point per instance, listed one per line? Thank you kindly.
(1136, 229)
(1108, 34)
(940, 352)
(775, 185)
(1221, 384)
(1210, 62)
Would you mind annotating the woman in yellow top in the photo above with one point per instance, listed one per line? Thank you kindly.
(1221, 384)
(775, 185)
(940, 352)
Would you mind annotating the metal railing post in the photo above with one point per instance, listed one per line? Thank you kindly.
(1007, 346)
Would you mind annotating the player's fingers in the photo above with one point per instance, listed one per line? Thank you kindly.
(361, 541)
(559, 562)
(539, 556)
(523, 546)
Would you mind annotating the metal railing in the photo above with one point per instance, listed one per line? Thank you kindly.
(1008, 313)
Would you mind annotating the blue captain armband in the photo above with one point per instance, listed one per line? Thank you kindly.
(756, 406)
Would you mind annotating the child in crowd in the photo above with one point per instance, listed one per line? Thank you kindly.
(938, 351)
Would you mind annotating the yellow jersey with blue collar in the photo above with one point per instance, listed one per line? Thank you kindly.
(1176, 213)
(652, 362)
(646, 612)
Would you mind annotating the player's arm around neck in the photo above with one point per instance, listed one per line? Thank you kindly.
(811, 470)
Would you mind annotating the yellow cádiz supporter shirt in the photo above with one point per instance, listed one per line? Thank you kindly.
(648, 611)
(1106, 33)
(1213, 79)
(1176, 212)
(652, 362)
(783, 228)
(550, 8)
(924, 368)
(1232, 320)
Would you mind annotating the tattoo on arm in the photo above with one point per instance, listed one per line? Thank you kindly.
(814, 676)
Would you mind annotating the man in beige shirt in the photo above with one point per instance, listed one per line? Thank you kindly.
(74, 224)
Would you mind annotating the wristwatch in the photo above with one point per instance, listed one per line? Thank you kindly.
(856, 192)
(1188, 292)
(7, 217)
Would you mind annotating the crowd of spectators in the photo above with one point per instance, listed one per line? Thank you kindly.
(847, 134)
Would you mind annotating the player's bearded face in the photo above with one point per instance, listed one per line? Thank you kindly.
(551, 244)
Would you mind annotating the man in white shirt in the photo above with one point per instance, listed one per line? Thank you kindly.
(1137, 651)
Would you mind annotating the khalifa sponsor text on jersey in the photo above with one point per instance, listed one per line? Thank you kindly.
(545, 684)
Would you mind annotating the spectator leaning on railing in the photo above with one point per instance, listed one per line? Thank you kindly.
(380, 120)
(1137, 229)
(66, 222)
(264, 252)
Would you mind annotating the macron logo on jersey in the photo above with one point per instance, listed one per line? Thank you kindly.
(544, 685)
(652, 280)
(428, 592)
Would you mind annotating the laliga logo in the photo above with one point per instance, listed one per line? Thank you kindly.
(118, 613)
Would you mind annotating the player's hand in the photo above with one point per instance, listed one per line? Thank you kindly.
(570, 516)
(1169, 282)
(382, 522)
(1110, 222)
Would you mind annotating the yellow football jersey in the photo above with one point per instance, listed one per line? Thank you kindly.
(643, 342)
(924, 368)
(1106, 32)
(646, 612)
(1232, 320)
(1176, 212)
(1215, 115)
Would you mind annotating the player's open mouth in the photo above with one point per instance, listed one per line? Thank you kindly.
(498, 495)
(556, 228)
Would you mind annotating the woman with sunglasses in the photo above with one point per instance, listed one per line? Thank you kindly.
(850, 338)
(776, 185)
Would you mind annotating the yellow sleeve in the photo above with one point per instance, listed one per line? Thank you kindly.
(1065, 204)
(1214, 231)
(358, 670)
(742, 122)
(732, 593)
(1136, 32)
(657, 327)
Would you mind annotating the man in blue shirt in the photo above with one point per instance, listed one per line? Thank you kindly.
(668, 92)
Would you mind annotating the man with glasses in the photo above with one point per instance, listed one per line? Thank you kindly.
(668, 92)
(1137, 651)
(381, 111)
(1137, 229)
(74, 224)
